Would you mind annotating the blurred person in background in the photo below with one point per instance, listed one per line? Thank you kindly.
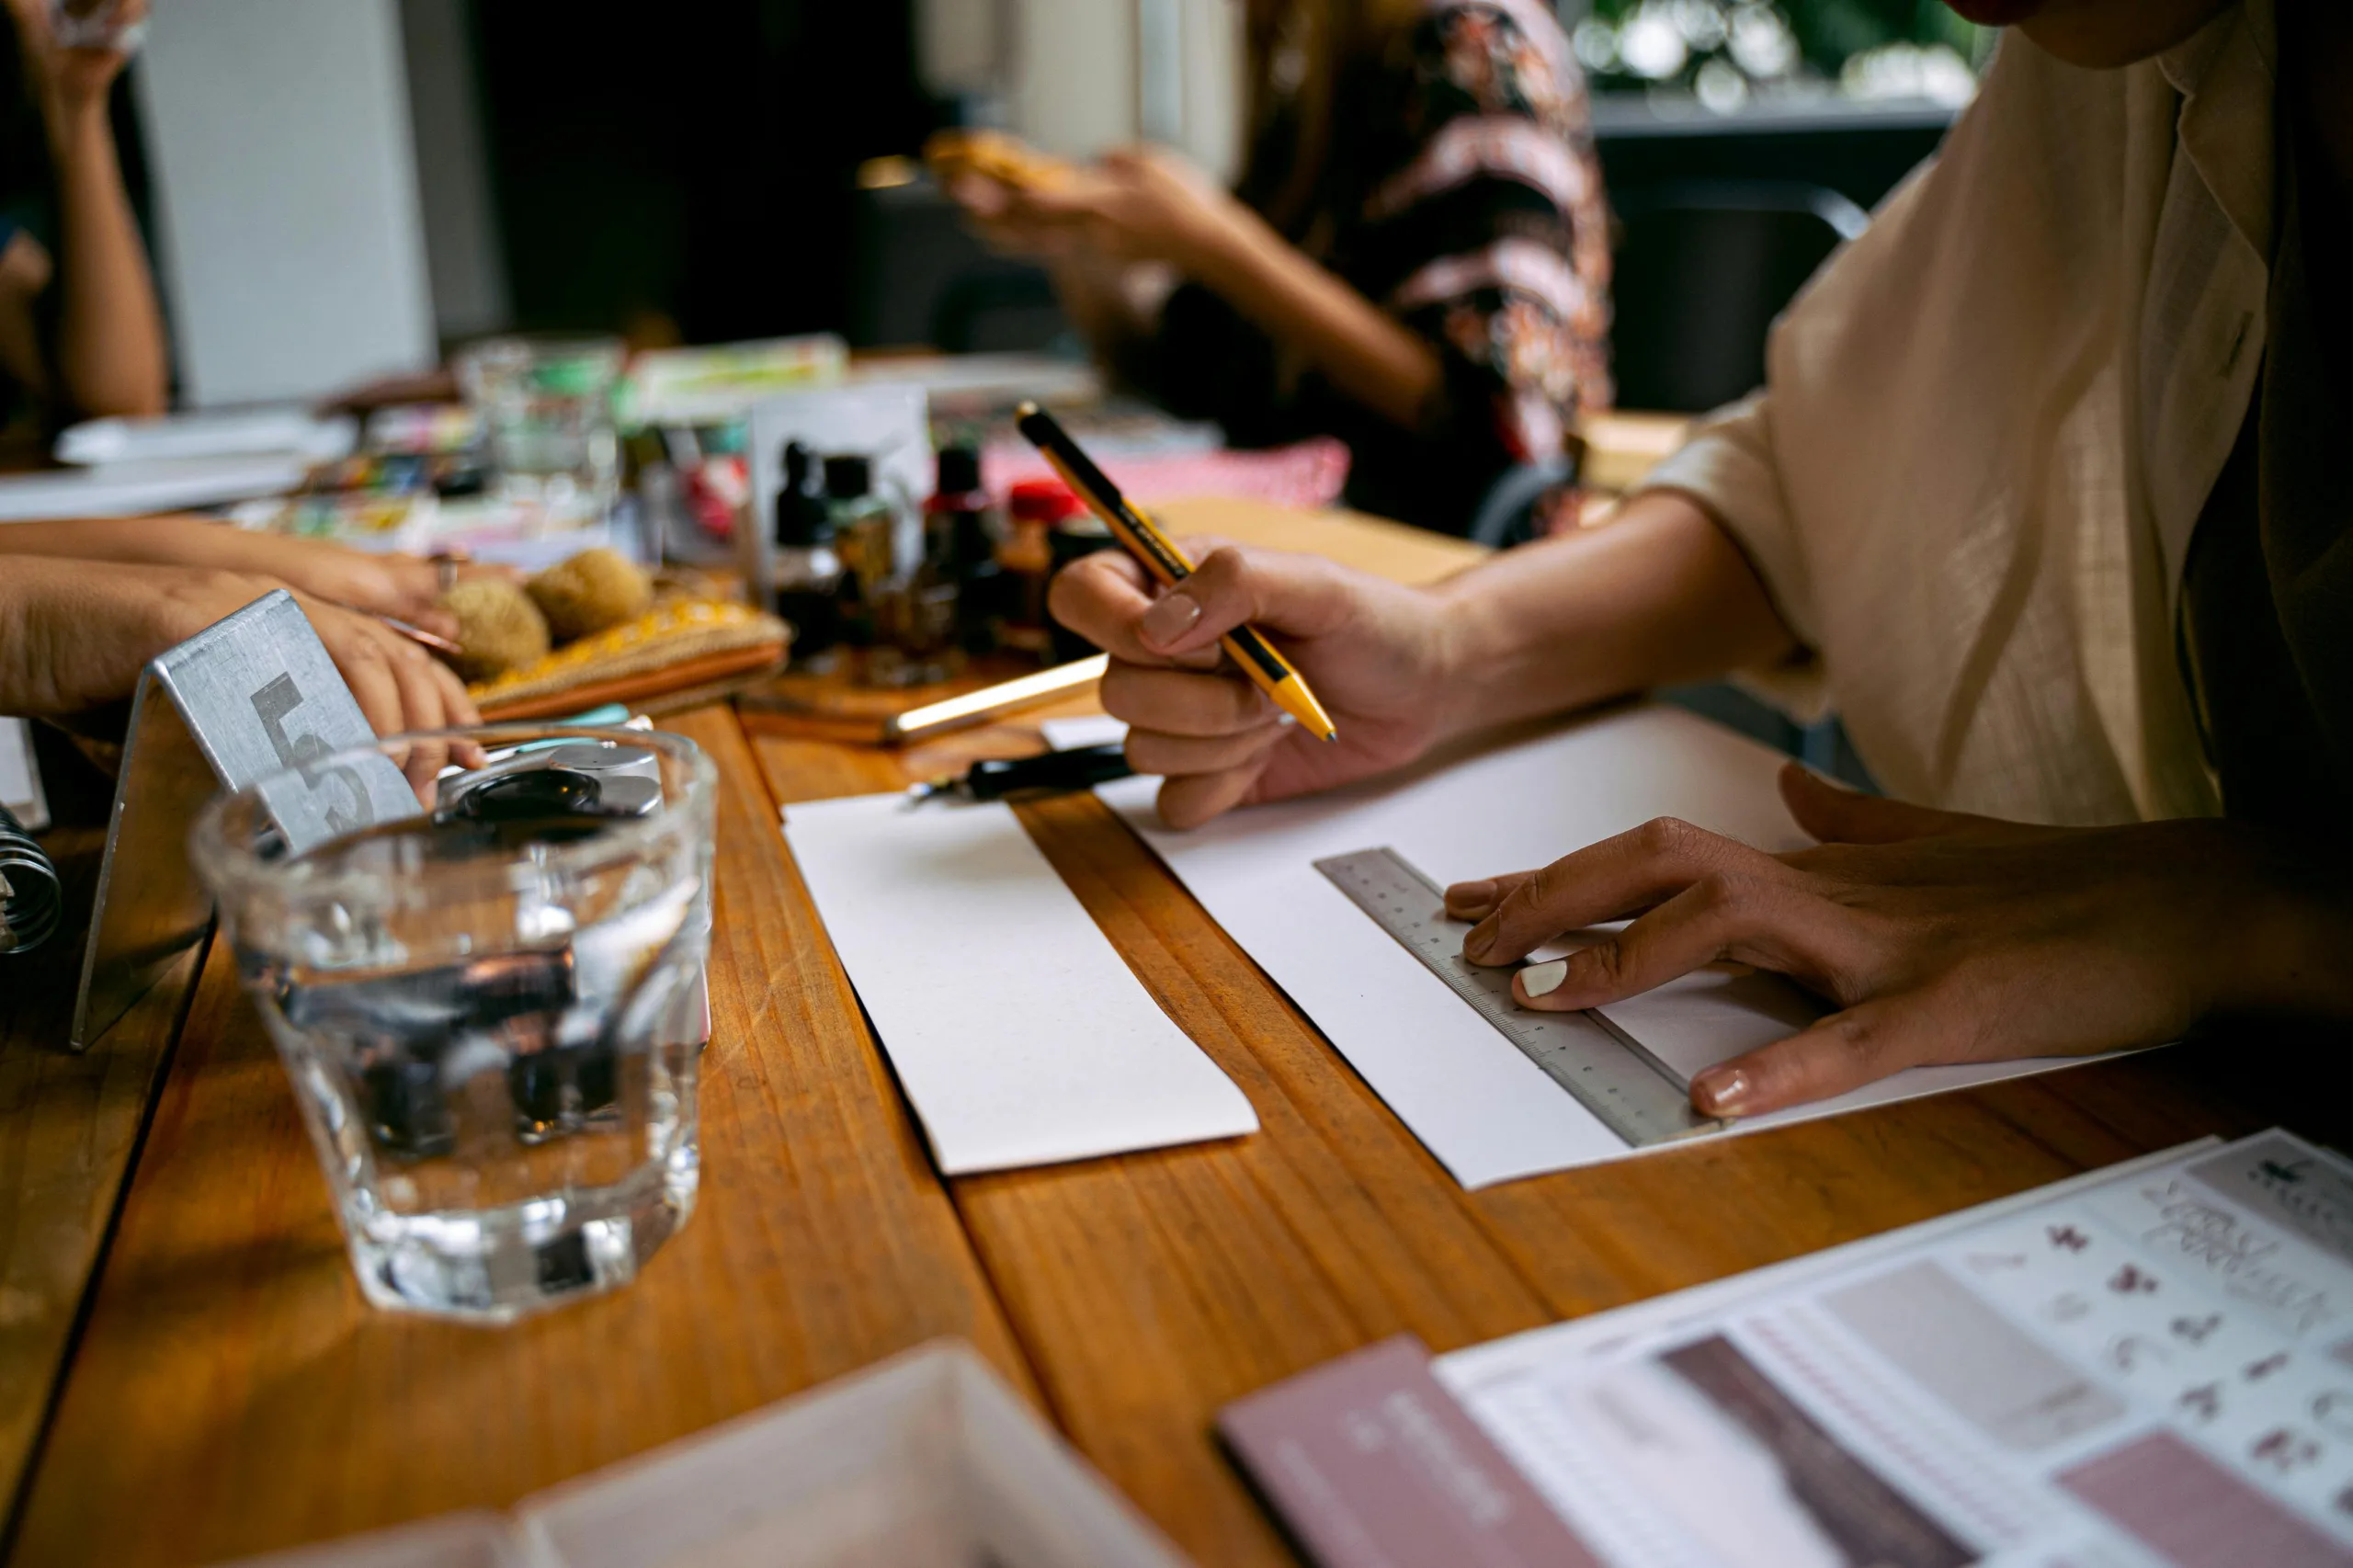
(1416, 259)
(80, 334)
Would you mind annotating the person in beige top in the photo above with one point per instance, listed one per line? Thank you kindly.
(2032, 498)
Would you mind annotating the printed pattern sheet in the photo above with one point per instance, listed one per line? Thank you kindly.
(2147, 1367)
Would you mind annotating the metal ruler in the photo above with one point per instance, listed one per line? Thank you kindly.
(1634, 1093)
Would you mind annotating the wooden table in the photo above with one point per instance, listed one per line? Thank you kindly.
(188, 1371)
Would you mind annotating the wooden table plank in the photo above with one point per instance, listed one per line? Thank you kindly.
(233, 1392)
(1390, 549)
(1149, 1289)
(68, 1127)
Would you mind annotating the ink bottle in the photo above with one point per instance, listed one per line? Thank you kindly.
(806, 577)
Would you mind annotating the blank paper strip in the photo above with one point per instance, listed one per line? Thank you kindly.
(1019, 1033)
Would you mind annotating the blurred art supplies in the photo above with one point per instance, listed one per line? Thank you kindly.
(960, 551)
(421, 483)
(547, 403)
(707, 386)
(596, 629)
(499, 629)
(863, 526)
(805, 580)
(1026, 557)
(888, 425)
(594, 590)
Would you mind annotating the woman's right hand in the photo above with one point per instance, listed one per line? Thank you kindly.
(1378, 656)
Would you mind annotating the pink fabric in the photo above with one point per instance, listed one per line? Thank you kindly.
(1308, 473)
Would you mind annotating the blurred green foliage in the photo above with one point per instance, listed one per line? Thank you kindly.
(1829, 32)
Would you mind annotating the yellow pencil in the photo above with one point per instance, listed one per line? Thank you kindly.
(1246, 645)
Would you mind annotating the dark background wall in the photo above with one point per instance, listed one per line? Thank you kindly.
(691, 163)
(693, 176)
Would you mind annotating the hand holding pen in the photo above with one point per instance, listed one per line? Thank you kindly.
(1167, 565)
(1376, 656)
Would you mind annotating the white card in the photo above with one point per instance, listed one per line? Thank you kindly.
(1020, 1034)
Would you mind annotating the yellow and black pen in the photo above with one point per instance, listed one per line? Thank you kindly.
(1246, 645)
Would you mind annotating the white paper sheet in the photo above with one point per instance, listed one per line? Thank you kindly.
(133, 489)
(290, 431)
(1484, 1110)
(20, 788)
(1083, 730)
(1021, 1035)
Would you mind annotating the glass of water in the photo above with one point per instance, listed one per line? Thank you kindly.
(491, 1008)
(547, 404)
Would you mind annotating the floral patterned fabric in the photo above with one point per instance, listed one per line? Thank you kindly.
(1460, 194)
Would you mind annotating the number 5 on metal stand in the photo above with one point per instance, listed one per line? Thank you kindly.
(246, 698)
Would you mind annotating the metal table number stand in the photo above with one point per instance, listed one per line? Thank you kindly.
(246, 698)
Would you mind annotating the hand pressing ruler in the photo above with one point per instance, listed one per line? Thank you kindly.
(1632, 1093)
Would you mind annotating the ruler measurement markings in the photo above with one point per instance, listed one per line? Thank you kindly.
(1626, 1088)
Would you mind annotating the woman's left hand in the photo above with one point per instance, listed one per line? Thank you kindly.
(1136, 204)
(1939, 937)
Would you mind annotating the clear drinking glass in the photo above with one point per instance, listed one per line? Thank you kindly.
(491, 1010)
(547, 404)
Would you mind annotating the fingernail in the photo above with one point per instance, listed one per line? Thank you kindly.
(1169, 620)
(1722, 1091)
(1482, 939)
(1544, 979)
(1468, 901)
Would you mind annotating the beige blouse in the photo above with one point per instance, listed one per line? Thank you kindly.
(1989, 426)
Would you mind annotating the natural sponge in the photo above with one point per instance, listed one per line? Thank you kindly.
(499, 629)
(595, 589)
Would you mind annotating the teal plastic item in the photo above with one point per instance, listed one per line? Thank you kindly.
(609, 713)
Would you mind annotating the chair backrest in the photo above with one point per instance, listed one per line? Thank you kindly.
(919, 275)
(1702, 268)
(996, 307)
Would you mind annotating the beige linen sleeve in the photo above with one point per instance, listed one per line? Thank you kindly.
(1733, 464)
(1727, 467)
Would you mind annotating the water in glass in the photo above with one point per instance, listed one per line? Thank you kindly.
(492, 1023)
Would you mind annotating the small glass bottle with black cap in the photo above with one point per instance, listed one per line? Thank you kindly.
(806, 578)
(864, 530)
